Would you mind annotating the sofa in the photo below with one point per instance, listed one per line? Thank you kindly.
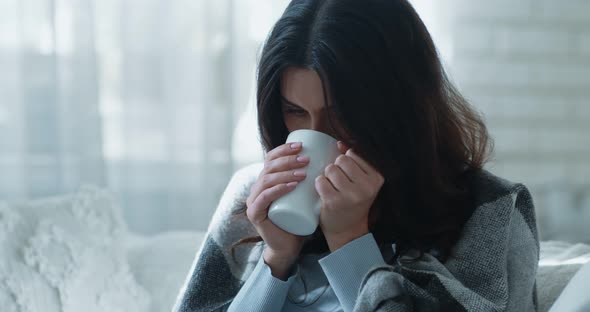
(74, 252)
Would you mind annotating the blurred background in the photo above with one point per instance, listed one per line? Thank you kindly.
(154, 99)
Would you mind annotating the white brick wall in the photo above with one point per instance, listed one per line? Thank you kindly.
(583, 45)
(581, 110)
(497, 9)
(532, 41)
(566, 11)
(526, 66)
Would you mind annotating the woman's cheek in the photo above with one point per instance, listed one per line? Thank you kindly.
(292, 124)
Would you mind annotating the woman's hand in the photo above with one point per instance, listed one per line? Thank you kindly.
(347, 190)
(282, 171)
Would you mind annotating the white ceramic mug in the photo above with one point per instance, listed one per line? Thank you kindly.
(298, 212)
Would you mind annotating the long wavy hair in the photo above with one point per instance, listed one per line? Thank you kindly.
(400, 111)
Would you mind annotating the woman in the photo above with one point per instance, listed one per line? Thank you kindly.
(409, 219)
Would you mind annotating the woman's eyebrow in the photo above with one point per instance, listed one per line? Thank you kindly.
(284, 99)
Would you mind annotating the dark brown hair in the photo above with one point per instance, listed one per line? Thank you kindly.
(403, 115)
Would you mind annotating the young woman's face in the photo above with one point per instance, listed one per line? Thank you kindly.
(302, 101)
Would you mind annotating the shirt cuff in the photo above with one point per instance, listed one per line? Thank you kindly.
(279, 282)
(346, 267)
(262, 291)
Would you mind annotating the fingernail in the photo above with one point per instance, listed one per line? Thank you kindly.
(292, 184)
(302, 158)
(296, 145)
(299, 173)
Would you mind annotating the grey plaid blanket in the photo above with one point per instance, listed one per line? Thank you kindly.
(492, 267)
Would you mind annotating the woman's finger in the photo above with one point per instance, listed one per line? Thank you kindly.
(337, 177)
(342, 147)
(350, 168)
(258, 210)
(363, 164)
(285, 163)
(282, 150)
(271, 179)
(324, 187)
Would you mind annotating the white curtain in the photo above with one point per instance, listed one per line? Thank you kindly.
(140, 96)
(50, 129)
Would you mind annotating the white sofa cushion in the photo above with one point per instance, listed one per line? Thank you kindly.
(65, 253)
(559, 261)
(161, 263)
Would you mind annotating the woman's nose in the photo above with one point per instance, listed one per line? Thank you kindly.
(323, 126)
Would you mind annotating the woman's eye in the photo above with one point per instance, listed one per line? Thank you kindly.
(294, 111)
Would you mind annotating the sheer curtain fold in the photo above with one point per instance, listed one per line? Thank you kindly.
(51, 136)
(132, 95)
(168, 123)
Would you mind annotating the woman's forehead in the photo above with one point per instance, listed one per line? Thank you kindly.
(303, 87)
